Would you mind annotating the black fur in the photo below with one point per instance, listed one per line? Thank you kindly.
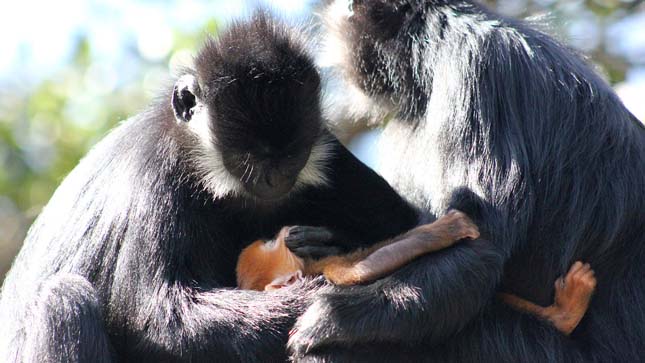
(498, 119)
(133, 258)
(266, 66)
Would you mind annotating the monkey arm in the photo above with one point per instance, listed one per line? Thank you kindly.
(369, 264)
(181, 323)
(357, 202)
(522, 304)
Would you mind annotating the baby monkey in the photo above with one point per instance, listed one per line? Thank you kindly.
(270, 265)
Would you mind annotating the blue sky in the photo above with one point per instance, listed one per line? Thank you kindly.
(36, 43)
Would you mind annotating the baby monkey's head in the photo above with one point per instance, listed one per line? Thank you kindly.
(268, 265)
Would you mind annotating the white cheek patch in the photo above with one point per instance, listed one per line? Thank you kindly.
(209, 165)
(345, 103)
(343, 7)
(335, 49)
(199, 123)
(314, 173)
(214, 176)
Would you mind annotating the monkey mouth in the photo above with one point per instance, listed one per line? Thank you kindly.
(269, 201)
(267, 192)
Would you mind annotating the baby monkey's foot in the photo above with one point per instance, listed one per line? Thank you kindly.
(572, 296)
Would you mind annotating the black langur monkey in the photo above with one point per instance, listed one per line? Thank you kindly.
(501, 121)
(270, 265)
(133, 259)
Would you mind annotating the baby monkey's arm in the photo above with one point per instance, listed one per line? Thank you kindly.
(270, 265)
(366, 265)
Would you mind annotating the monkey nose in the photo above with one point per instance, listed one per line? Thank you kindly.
(270, 179)
(275, 179)
(272, 185)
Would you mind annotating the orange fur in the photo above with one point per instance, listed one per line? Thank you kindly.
(339, 270)
(262, 262)
(572, 297)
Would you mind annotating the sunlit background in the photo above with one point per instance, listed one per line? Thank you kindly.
(70, 70)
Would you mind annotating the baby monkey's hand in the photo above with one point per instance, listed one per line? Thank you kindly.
(448, 229)
(457, 225)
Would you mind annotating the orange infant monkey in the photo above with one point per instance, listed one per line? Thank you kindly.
(270, 265)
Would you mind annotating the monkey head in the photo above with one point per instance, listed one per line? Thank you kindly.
(373, 43)
(268, 265)
(253, 101)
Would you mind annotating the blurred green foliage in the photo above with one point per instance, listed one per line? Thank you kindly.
(45, 128)
(598, 14)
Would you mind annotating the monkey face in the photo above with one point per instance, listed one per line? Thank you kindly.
(268, 265)
(260, 131)
(266, 177)
(266, 127)
(253, 100)
(256, 111)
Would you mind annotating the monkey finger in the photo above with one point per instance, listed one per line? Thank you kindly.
(582, 275)
(559, 283)
(471, 232)
(309, 235)
(590, 276)
(583, 270)
(573, 271)
(315, 252)
(575, 267)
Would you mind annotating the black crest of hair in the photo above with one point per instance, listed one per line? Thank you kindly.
(133, 257)
(267, 66)
(502, 121)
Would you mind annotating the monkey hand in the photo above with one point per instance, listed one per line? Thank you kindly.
(455, 225)
(312, 242)
(343, 317)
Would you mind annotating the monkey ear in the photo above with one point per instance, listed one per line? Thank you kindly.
(284, 281)
(184, 98)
